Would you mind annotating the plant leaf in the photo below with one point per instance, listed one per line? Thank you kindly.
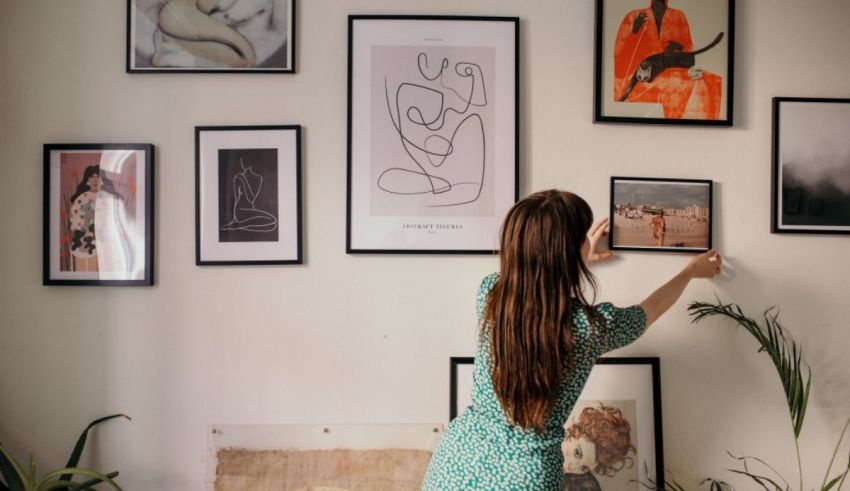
(74, 459)
(45, 483)
(783, 352)
(91, 482)
(12, 471)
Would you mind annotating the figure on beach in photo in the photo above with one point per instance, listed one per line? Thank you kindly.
(659, 228)
(654, 61)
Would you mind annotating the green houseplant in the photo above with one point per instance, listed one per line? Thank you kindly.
(14, 477)
(796, 377)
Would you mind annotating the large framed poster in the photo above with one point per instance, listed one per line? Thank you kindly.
(664, 61)
(237, 36)
(432, 132)
(98, 214)
(613, 437)
(810, 191)
(247, 195)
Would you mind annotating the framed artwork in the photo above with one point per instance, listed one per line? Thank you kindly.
(664, 62)
(247, 195)
(98, 214)
(651, 214)
(254, 36)
(620, 405)
(460, 383)
(432, 132)
(811, 161)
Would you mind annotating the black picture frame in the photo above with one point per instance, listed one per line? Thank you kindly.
(632, 225)
(390, 218)
(151, 50)
(705, 100)
(624, 374)
(101, 236)
(808, 134)
(231, 228)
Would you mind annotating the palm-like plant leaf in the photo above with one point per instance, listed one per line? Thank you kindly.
(74, 459)
(47, 483)
(12, 472)
(783, 352)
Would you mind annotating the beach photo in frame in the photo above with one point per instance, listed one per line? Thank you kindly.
(653, 214)
(247, 195)
(620, 404)
(664, 62)
(811, 161)
(432, 132)
(254, 36)
(98, 214)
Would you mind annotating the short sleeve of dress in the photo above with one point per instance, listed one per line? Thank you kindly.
(484, 290)
(622, 327)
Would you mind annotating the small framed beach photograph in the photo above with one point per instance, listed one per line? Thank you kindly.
(239, 36)
(652, 214)
(247, 195)
(664, 62)
(98, 214)
(811, 162)
(432, 133)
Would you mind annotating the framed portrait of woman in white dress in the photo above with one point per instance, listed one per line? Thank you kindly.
(98, 214)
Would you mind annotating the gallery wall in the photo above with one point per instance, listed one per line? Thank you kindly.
(367, 339)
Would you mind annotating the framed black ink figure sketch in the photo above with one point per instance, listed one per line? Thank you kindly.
(205, 36)
(247, 195)
(98, 214)
(432, 132)
(811, 162)
(651, 214)
(620, 405)
(664, 61)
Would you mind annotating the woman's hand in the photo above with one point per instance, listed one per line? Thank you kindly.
(706, 265)
(597, 231)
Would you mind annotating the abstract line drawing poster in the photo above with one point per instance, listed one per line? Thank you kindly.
(432, 132)
(664, 61)
(248, 195)
(811, 165)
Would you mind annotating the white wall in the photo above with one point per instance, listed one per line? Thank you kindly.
(366, 339)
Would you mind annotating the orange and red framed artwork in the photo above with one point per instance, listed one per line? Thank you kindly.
(664, 62)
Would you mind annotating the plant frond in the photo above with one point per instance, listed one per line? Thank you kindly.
(74, 459)
(785, 354)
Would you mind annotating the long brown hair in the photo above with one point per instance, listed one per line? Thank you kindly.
(529, 309)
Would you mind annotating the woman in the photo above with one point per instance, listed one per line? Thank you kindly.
(540, 336)
(91, 196)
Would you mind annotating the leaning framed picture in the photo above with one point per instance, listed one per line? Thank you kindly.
(664, 62)
(432, 132)
(653, 214)
(461, 369)
(98, 214)
(244, 36)
(811, 161)
(619, 406)
(247, 195)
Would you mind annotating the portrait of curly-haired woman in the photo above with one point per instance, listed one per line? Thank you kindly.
(598, 444)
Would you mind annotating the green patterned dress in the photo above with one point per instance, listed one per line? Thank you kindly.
(481, 450)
